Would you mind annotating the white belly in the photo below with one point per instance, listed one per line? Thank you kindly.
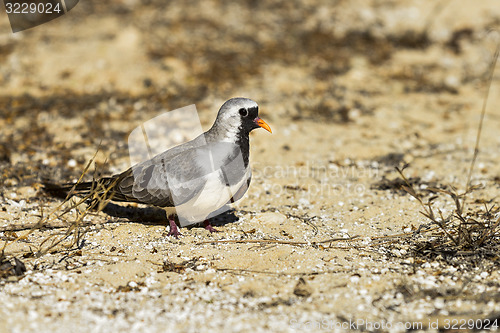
(211, 198)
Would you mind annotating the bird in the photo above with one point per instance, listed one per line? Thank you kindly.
(192, 180)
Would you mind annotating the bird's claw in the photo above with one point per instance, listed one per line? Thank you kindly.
(174, 233)
(209, 227)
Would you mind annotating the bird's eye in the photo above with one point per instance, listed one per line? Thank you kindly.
(243, 112)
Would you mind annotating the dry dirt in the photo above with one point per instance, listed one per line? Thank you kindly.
(351, 89)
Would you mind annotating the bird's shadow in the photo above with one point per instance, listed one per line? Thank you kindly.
(157, 216)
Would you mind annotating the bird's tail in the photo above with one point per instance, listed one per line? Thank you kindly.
(98, 189)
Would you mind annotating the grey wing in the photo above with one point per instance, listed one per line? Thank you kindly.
(135, 185)
(147, 182)
(164, 181)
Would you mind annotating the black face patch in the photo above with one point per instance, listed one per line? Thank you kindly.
(248, 122)
(253, 112)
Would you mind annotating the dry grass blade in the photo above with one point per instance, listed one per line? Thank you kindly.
(481, 120)
(277, 241)
(98, 197)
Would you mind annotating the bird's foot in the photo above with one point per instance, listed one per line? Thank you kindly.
(209, 227)
(173, 229)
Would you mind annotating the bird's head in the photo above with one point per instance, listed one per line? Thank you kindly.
(240, 115)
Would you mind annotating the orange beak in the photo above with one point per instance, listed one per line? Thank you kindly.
(263, 124)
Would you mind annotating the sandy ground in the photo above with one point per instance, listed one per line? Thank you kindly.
(352, 89)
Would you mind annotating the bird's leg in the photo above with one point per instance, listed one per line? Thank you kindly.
(173, 227)
(209, 227)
